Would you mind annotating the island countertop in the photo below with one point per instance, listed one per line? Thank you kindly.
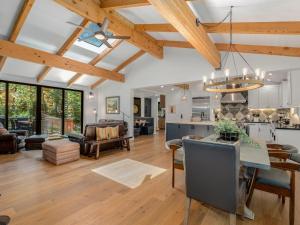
(206, 123)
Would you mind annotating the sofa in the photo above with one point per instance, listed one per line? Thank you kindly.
(89, 135)
(143, 125)
(12, 141)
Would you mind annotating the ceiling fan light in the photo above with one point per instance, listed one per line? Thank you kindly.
(100, 36)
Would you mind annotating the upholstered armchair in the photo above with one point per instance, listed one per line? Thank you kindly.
(212, 176)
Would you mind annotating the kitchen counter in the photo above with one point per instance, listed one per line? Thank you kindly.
(287, 127)
(208, 123)
(179, 129)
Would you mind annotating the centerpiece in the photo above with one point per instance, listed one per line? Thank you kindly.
(229, 131)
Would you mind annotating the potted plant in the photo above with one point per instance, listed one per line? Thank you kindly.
(229, 131)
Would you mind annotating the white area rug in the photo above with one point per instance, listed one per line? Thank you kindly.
(129, 172)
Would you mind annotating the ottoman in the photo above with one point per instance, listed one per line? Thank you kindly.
(35, 142)
(61, 151)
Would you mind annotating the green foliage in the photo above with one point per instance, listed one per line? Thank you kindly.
(228, 126)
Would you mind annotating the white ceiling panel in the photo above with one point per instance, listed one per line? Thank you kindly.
(80, 54)
(59, 75)
(46, 26)
(248, 10)
(142, 14)
(21, 68)
(120, 54)
(9, 10)
(86, 80)
(167, 36)
(259, 39)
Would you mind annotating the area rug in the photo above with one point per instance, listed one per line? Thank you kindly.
(129, 172)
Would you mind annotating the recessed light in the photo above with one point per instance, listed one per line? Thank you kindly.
(270, 74)
(172, 89)
(162, 86)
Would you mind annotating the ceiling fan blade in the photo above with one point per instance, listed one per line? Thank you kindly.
(104, 25)
(118, 37)
(106, 43)
(79, 26)
(86, 38)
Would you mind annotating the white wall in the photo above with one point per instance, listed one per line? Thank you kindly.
(89, 104)
(178, 66)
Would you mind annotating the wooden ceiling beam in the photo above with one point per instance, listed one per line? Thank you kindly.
(17, 51)
(119, 25)
(179, 14)
(255, 49)
(118, 4)
(18, 25)
(121, 66)
(276, 28)
(94, 61)
(66, 46)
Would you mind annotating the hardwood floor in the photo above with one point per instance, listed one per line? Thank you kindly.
(37, 193)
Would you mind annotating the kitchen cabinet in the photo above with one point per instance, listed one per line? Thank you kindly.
(253, 99)
(261, 131)
(265, 97)
(285, 94)
(294, 87)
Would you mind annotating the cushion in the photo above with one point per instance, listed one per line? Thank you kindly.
(36, 139)
(290, 148)
(178, 158)
(173, 142)
(275, 177)
(295, 157)
(101, 133)
(59, 146)
(113, 132)
(3, 131)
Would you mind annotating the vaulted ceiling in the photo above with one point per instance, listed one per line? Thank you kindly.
(42, 25)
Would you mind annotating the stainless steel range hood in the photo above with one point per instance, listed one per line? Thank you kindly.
(233, 98)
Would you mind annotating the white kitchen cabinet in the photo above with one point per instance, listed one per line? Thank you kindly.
(288, 137)
(285, 94)
(269, 96)
(294, 88)
(260, 131)
(253, 99)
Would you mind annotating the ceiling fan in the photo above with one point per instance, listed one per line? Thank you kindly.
(102, 34)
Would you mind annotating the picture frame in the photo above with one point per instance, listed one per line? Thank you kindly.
(113, 105)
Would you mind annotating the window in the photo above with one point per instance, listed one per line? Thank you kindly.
(22, 107)
(72, 112)
(2, 102)
(51, 110)
(40, 109)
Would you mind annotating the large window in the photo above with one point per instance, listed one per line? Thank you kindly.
(2, 103)
(52, 100)
(22, 107)
(72, 112)
(40, 109)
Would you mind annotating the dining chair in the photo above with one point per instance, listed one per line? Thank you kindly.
(277, 180)
(177, 156)
(212, 176)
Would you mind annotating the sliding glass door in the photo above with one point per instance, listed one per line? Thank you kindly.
(2, 103)
(40, 109)
(51, 111)
(72, 115)
(22, 107)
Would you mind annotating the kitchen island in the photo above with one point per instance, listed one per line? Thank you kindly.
(178, 129)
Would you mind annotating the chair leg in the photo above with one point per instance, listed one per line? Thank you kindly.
(292, 199)
(187, 210)
(283, 200)
(173, 175)
(232, 219)
(249, 198)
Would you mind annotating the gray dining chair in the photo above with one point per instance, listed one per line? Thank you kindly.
(212, 176)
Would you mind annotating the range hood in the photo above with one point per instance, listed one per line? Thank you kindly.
(233, 98)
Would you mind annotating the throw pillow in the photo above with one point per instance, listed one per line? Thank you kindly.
(101, 133)
(3, 131)
(113, 132)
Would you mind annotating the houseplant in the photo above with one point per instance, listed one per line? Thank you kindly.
(229, 131)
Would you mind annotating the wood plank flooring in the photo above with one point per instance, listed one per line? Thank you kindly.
(35, 192)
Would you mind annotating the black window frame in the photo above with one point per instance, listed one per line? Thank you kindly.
(39, 102)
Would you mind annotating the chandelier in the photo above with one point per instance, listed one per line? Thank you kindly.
(249, 79)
